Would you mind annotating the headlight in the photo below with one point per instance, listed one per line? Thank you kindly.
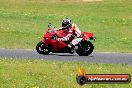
(46, 38)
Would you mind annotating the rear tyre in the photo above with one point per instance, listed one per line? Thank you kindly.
(42, 48)
(85, 48)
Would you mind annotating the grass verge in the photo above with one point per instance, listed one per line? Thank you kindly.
(25, 73)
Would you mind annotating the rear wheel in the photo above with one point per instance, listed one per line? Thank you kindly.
(85, 48)
(42, 48)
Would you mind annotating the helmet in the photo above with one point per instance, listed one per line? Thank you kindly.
(66, 23)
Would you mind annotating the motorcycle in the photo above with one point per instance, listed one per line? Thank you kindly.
(49, 44)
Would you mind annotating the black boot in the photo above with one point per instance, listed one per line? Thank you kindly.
(72, 48)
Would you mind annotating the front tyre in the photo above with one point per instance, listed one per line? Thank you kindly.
(85, 48)
(42, 48)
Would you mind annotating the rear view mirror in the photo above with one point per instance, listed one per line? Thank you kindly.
(49, 24)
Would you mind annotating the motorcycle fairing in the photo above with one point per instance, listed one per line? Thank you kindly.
(87, 35)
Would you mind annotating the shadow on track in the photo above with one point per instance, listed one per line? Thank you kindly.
(66, 55)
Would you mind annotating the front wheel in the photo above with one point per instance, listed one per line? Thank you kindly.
(42, 49)
(85, 48)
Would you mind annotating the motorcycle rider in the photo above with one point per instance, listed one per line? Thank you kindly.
(72, 34)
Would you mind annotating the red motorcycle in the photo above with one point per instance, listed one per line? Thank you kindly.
(49, 44)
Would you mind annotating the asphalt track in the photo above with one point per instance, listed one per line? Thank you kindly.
(95, 57)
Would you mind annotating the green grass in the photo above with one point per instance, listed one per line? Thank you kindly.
(23, 22)
(25, 73)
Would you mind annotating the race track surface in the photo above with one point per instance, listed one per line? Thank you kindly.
(95, 57)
